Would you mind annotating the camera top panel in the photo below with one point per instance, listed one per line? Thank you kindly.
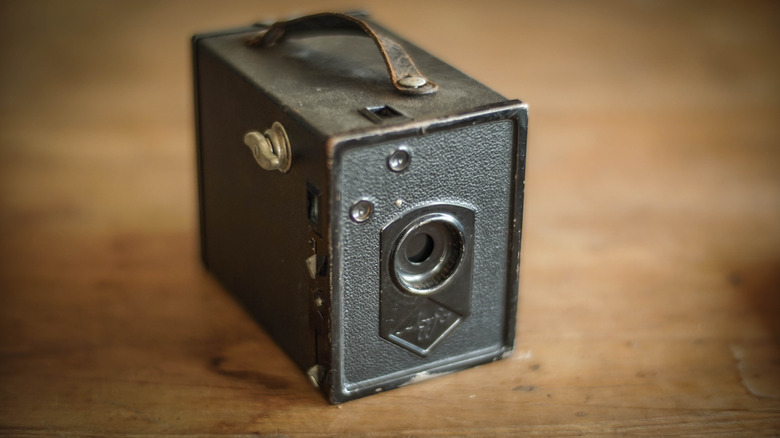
(338, 83)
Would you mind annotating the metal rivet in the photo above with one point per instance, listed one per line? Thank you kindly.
(413, 82)
(361, 211)
(398, 160)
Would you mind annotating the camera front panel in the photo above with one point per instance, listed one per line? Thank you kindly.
(421, 229)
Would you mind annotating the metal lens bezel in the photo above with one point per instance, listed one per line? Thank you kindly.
(440, 266)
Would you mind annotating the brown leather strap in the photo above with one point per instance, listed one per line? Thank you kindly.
(403, 73)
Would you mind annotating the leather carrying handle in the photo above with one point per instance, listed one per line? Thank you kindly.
(404, 75)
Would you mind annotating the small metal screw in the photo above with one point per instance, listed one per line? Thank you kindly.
(361, 211)
(398, 160)
(413, 82)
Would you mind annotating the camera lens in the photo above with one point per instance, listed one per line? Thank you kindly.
(427, 254)
(419, 248)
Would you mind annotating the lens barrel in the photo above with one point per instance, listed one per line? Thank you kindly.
(427, 253)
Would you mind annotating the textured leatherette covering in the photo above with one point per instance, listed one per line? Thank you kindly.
(469, 166)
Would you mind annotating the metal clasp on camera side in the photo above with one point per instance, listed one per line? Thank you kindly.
(271, 149)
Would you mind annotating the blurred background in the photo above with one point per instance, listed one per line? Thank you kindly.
(651, 247)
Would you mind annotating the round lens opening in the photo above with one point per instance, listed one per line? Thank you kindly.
(427, 254)
(419, 248)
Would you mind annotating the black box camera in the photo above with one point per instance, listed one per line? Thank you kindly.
(365, 208)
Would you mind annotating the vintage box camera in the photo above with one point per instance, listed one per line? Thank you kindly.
(361, 198)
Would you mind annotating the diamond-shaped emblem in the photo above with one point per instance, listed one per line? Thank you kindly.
(424, 327)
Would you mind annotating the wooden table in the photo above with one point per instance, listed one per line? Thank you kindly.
(651, 258)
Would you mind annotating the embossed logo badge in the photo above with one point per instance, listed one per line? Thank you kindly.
(424, 327)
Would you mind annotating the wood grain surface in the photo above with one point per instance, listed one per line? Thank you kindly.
(650, 291)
